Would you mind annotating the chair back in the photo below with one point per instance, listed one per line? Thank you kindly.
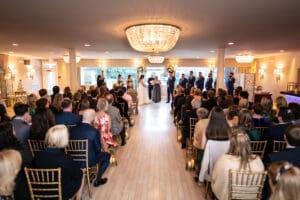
(35, 146)
(279, 145)
(78, 149)
(44, 183)
(193, 122)
(245, 184)
(258, 147)
(122, 111)
(263, 130)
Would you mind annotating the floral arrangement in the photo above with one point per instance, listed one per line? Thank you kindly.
(141, 70)
(170, 69)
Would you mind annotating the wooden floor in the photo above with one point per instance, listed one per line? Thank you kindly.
(151, 166)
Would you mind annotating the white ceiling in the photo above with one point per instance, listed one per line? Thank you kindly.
(47, 28)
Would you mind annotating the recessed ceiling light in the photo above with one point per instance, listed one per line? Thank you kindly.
(51, 52)
(106, 52)
(212, 51)
(281, 51)
(230, 43)
(15, 44)
(198, 57)
(87, 45)
(11, 52)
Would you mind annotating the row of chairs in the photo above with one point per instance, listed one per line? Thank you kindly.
(78, 149)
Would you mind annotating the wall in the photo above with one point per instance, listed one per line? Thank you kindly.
(29, 85)
(290, 62)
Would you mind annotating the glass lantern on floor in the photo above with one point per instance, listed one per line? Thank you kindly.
(190, 160)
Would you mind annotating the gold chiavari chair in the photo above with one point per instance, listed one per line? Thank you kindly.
(262, 129)
(258, 147)
(193, 122)
(35, 146)
(78, 149)
(44, 183)
(278, 145)
(246, 185)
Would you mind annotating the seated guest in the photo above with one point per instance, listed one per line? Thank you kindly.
(55, 106)
(43, 93)
(259, 119)
(133, 93)
(67, 117)
(55, 91)
(124, 110)
(236, 95)
(10, 165)
(21, 122)
(267, 107)
(53, 156)
(211, 102)
(42, 120)
(103, 124)
(127, 97)
(3, 114)
(246, 124)
(9, 141)
(86, 131)
(238, 158)
(232, 116)
(84, 105)
(295, 109)
(292, 151)
(243, 102)
(214, 142)
(31, 101)
(93, 99)
(284, 179)
(117, 126)
(179, 100)
(67, 93)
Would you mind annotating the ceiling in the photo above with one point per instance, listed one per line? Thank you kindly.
(47, 28)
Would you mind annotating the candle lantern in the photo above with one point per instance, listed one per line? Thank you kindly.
(113, 160)
(127, 135)
(132, 121)
(190, 160)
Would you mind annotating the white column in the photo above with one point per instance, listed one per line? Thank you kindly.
(73, 70)
(220, 68)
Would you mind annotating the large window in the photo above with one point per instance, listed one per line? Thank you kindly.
(112, 73)
(89, 75)
(157, 71)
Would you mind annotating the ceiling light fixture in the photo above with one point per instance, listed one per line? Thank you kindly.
(87, 45)
(15, 44)
(67, 59)
(156, 59)
(230, 43)
(212, 51)
(152, 38)
(244, 58)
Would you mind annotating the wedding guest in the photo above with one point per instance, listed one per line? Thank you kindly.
(170, 87)
(284, 179)
(127, 97)
(246, 124)
(267, 107)
(211, 102)
(232, 116)
(191, 79)
(67, 93)
(84, 105)
(55, 106)
(21, 122)
(55, 90)
(238, 158)
(129, 82)
(93, 100)
(53, 156)
(230, 84)
(66, 117)
(259, 119)
(10, 165)
(244, 103)
(183, 81)
(156, 92)
(209, 81)
(100, 79)
(43, 93)
(76, 102)
(3, 114)
(31, 101)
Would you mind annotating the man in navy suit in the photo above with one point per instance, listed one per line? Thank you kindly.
(292, 152)
(85, 131)
(67, 117)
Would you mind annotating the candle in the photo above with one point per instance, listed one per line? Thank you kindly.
(192, 163)
(189, 164)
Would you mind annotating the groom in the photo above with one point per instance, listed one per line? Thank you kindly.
(150, 86)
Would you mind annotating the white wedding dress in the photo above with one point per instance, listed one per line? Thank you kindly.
(142, 94)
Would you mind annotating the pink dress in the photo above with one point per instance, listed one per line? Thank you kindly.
(102, 125)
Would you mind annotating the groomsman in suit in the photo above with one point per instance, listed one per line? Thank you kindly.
(191, 80)
(170, 87)
(200, 81)
(150, 86)
(183, 81)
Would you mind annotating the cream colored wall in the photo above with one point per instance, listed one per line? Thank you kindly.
(29, 85)
(290, 62)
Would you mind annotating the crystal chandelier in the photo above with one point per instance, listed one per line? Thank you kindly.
(67, 59)
(156, 59)
(152, 37)
(244, 58)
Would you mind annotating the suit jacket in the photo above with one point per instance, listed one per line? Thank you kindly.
(116, 120)
(85, 131)
(22, 130)
(68, 118)
(171, 82)
(183, 82)
(71, 174)
(291, 155)
(200, 83)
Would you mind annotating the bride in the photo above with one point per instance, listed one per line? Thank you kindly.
(142, 91)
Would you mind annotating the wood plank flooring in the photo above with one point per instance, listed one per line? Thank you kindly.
(151, 166)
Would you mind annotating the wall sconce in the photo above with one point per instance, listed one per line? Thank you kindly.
(12, 71)
(278, 72)
(261, 72)
(30, 71)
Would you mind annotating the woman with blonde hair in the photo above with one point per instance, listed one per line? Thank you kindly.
(103, 123)
(10, 165)
(56, 104)
(238, 158)
(284, 179)
(31, 101)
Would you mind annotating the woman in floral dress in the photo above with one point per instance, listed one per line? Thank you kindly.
(103, 123)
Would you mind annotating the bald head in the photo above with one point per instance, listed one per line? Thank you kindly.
(88, 115)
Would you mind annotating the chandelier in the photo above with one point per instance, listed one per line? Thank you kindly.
(67, 59)
(152, 37)
(156, 59)
(244, 58)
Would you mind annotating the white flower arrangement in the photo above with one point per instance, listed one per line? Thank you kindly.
(141, 70)
(170, 69)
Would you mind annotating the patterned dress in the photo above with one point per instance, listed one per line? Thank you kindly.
(102, 125)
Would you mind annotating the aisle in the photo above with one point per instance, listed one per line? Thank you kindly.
(151, 165)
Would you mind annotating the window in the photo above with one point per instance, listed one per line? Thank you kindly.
(88, 75)
(157, 71)
(111, 75)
